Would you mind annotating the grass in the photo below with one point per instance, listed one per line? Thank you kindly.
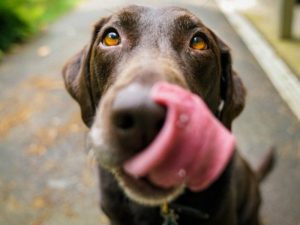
(21, 19)
(288, 50)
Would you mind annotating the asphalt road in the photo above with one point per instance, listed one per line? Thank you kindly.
(44, 177)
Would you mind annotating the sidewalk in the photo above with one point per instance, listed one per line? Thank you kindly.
(44, 177)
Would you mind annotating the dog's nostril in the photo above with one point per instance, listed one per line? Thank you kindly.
(124, 121)
(160, 123)
(135, 118)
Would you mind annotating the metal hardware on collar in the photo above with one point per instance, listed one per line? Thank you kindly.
(189, 211)
(171, 213)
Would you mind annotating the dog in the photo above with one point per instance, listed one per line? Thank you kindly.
(129, 53)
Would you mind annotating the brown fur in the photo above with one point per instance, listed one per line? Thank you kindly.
(155, 48)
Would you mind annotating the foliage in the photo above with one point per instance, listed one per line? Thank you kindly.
(21, 18)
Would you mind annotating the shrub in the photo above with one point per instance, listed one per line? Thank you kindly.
(21, 18)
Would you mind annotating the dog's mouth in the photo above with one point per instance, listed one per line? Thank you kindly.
(143, 191)
(191, 150)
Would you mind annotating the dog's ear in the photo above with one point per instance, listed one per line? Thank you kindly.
(233, 92)
(77, 83)
(78, 78)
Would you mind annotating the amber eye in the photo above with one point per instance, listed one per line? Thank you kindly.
(198, 43)
(112, 38)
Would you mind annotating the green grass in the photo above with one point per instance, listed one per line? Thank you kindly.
(21, 19)
(288, 50)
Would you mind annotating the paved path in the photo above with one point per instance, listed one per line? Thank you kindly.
(44, 179)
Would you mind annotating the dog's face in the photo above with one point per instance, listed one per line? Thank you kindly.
(130, 52)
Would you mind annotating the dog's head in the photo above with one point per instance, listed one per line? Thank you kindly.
(129, 52)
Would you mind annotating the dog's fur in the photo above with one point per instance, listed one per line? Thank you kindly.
(155, 47)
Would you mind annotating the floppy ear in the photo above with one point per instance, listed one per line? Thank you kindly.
(79, 81)
(233, 92)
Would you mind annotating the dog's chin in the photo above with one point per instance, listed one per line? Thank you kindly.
(144, 192)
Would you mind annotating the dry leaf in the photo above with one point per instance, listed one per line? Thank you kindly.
(40, 220)
(40, 202)
(87, 178)
(13, 204)
(36, 150)
(69, 212)
(43, 51)
(103, 219)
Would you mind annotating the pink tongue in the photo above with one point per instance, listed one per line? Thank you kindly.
(193, 147)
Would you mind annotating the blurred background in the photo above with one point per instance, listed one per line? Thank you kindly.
(44, 175)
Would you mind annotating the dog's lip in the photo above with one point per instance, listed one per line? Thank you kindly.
(146, 181)
(143, 191)
(143, 181)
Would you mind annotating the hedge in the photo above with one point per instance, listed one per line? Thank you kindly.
(19, 19)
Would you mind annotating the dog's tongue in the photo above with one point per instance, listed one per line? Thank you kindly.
(193, 147)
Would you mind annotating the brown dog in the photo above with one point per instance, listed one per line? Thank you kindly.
(132, 50)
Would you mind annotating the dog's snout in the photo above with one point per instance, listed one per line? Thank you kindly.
(135, 118)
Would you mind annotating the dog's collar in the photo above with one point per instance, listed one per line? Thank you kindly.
(171, 212)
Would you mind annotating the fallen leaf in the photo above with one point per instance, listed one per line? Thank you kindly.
(40, 220)
(103, 219)
(19, 115)
(12, 203)
(69, 212)
(87, 178)
(44, 82)
(49, 165)
(36, 150)
(40, 202)
(43, 51)
(74, 128)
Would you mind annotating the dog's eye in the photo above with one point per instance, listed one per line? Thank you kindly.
(198, 43)
(111, 38)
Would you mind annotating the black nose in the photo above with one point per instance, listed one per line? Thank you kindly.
(136, 119)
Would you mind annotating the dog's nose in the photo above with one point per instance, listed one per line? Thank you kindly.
(135, 118)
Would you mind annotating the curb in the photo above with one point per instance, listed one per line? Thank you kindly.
(280, 75)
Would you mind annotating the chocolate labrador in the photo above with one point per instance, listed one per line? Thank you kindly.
(131, 51)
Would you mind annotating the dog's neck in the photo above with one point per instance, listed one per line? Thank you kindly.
(190, 206)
